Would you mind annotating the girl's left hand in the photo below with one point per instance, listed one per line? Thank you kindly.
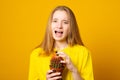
(67, 61)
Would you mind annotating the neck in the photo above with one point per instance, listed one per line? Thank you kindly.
(60, 45)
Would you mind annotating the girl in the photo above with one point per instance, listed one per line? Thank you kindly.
(62, 35)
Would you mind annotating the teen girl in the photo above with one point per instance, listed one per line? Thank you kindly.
(62, 35)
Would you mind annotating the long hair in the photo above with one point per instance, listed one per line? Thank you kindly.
(72, 38)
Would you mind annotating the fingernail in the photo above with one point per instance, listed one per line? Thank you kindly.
(59, 73)
(57, 54)
(55, 51)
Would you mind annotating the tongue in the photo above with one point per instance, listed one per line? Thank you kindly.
(59, 34)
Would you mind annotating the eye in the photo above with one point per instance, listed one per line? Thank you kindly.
(54, 21)
(66, 22)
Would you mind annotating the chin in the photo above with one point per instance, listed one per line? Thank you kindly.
(58, 39)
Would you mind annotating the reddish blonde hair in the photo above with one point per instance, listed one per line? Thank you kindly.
(72, 38)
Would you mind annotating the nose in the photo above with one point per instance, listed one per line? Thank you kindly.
(59, 25)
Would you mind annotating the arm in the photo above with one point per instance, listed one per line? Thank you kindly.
(70, 66)
(32, 68)
(75, 73)
(87, 70)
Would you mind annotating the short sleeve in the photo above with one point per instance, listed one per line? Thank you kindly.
(33, 75)
(87, 70)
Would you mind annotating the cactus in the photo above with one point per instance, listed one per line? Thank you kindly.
(55, 63)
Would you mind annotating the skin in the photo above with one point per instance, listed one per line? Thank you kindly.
(60, 29)
(60, 23)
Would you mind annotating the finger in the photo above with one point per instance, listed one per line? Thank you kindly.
(50, 71)
(56, 78)
(48, 74)
(64, 56)
(55, 74)
(62, 61)
(61, 54)
(52, 75)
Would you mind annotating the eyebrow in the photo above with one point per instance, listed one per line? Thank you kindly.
(54, 19)
(63, 19)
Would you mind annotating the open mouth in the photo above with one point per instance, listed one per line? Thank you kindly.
(58, 32)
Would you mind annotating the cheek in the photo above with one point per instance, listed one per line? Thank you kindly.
(52, 30)
(52, 26)
(67, 30)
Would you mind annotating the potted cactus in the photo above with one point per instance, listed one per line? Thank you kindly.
(55, 63)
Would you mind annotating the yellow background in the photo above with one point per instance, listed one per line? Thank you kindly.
(22, 27)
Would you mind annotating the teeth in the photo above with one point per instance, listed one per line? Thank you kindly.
(58, 32)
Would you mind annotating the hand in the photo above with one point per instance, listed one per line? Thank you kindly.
(70, 66)
(53, 75)
(67, 61)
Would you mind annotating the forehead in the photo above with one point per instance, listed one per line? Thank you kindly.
(61, 14)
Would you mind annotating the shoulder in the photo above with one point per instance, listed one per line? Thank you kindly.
(82, 52)
(36, 52)
(78, 47)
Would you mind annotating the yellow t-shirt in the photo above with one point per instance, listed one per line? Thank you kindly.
(80, 56)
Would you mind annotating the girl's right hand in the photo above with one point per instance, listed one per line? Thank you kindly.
(53, 75)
